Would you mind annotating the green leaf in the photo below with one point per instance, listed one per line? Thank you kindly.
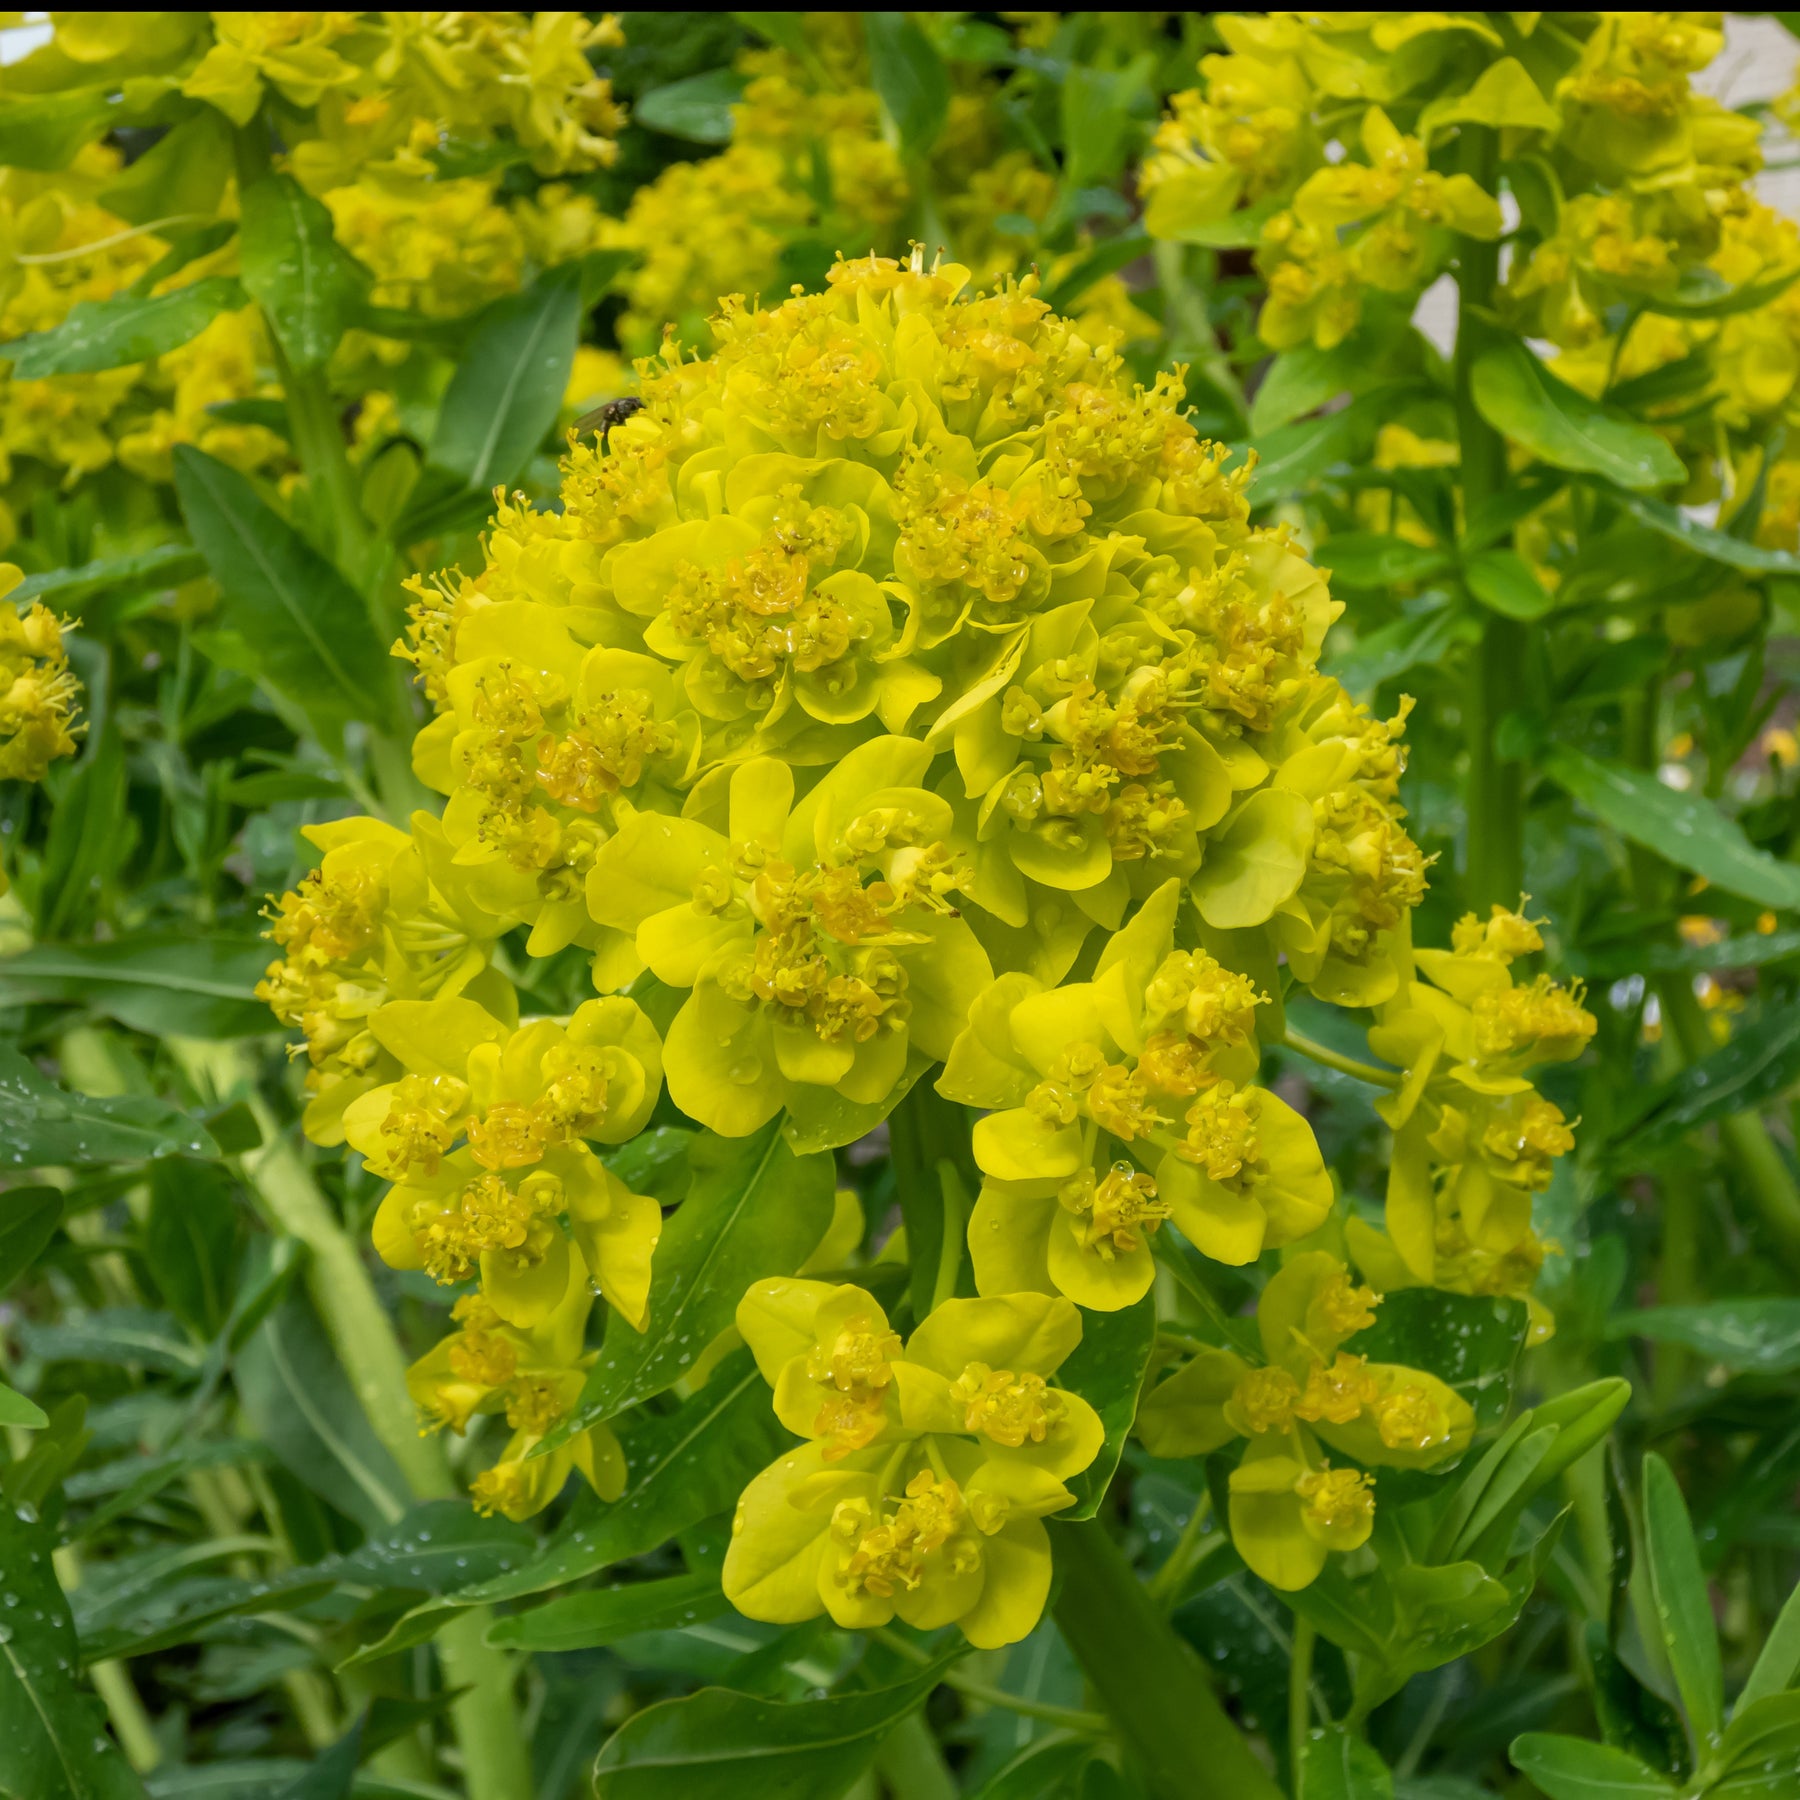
(1757, 1337)
(440, 1546)
(1704, 293)
(1425, 637)
(1373, 559)
(753, 1209)
(111, 334)
(717, 1745)
(908, 74)
(1705, 540)
(136, 1610)
(1504, 582)
(1751, 951)
(1106, 258)
(44, 131)
(149, 571)
(1470, 1342)
(1107, 1370)
(300, 620)
(54, 1744)
(1779, 1659)
(602, 1616)
(301, 1404)
(333, 1773)
(1337, 1765)
(1760, 1062)
(181, 175)
(89, 826)
(1684, 1614)
(191, 1242)
(697, 108)
(123, 1336)
(29, 1217)
(681, 1467)
(1297, 455)
(1101, 110)
(1520, 398)
(1300, 381)
(1569, 1768)
(15, 1409)
(1687, 830)
(161, 983)
(295, 269)
(503, 398)
(44, 1126)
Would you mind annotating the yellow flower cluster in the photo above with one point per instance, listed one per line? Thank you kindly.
(62, 246)
(811, 161)
(927, 1468)
(38, 692)
(1289, 1507)
(903, 685)
(1473, 1139)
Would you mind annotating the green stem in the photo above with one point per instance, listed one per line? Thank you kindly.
(1496, 827)
(112, 1681)
(1323, 1054)
(1149, 1679)
(956, 1224)
(1299, 1697)
(911, 1764)
(496, 1764)
(1068, 1717)
(1196, 1542)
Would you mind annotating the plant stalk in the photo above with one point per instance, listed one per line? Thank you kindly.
(1147, 1677)
(1495, 861)
(1299, 1697)
(496, 1763)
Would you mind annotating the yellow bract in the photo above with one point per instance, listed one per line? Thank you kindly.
(532, 1376)
(1289, 1507)
(928, 1469)
(1154, 1054)
(526, 1101)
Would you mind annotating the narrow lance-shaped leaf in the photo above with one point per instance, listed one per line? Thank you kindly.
(1683, 1612)
(44, 1126)
(1760, 1062)
(54, 1743)
(754, 1209)
(1758, 1336)
(1687, 830)
(1569, 1768)
(112, 334)
(1520, 398)
(180, 984)
(717, 1745)
(301, 622)
(296, 270)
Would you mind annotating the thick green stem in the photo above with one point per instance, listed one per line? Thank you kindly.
(911, 1764)
(1147, 1677)
(1299, 1698)
(1495, 866)
(496, 1763)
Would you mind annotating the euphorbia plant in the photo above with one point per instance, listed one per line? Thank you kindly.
(869, 1101)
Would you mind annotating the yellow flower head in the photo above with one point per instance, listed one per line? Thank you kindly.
(38, 690)
(532, 1376)
(1153, 1054)
(1289, 1506)
(384, 917)
(929, 1467)
(527, 1102)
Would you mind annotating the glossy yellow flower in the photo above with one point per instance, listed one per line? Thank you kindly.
(929, 1469)
(1474, 1140)
(533, 1377)
(826, 964)
(38, 690)
(1152, 1059)
(1289, 1506)
(384, 917)
(525, 1103)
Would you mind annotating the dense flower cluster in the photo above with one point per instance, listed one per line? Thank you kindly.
(903, 693)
